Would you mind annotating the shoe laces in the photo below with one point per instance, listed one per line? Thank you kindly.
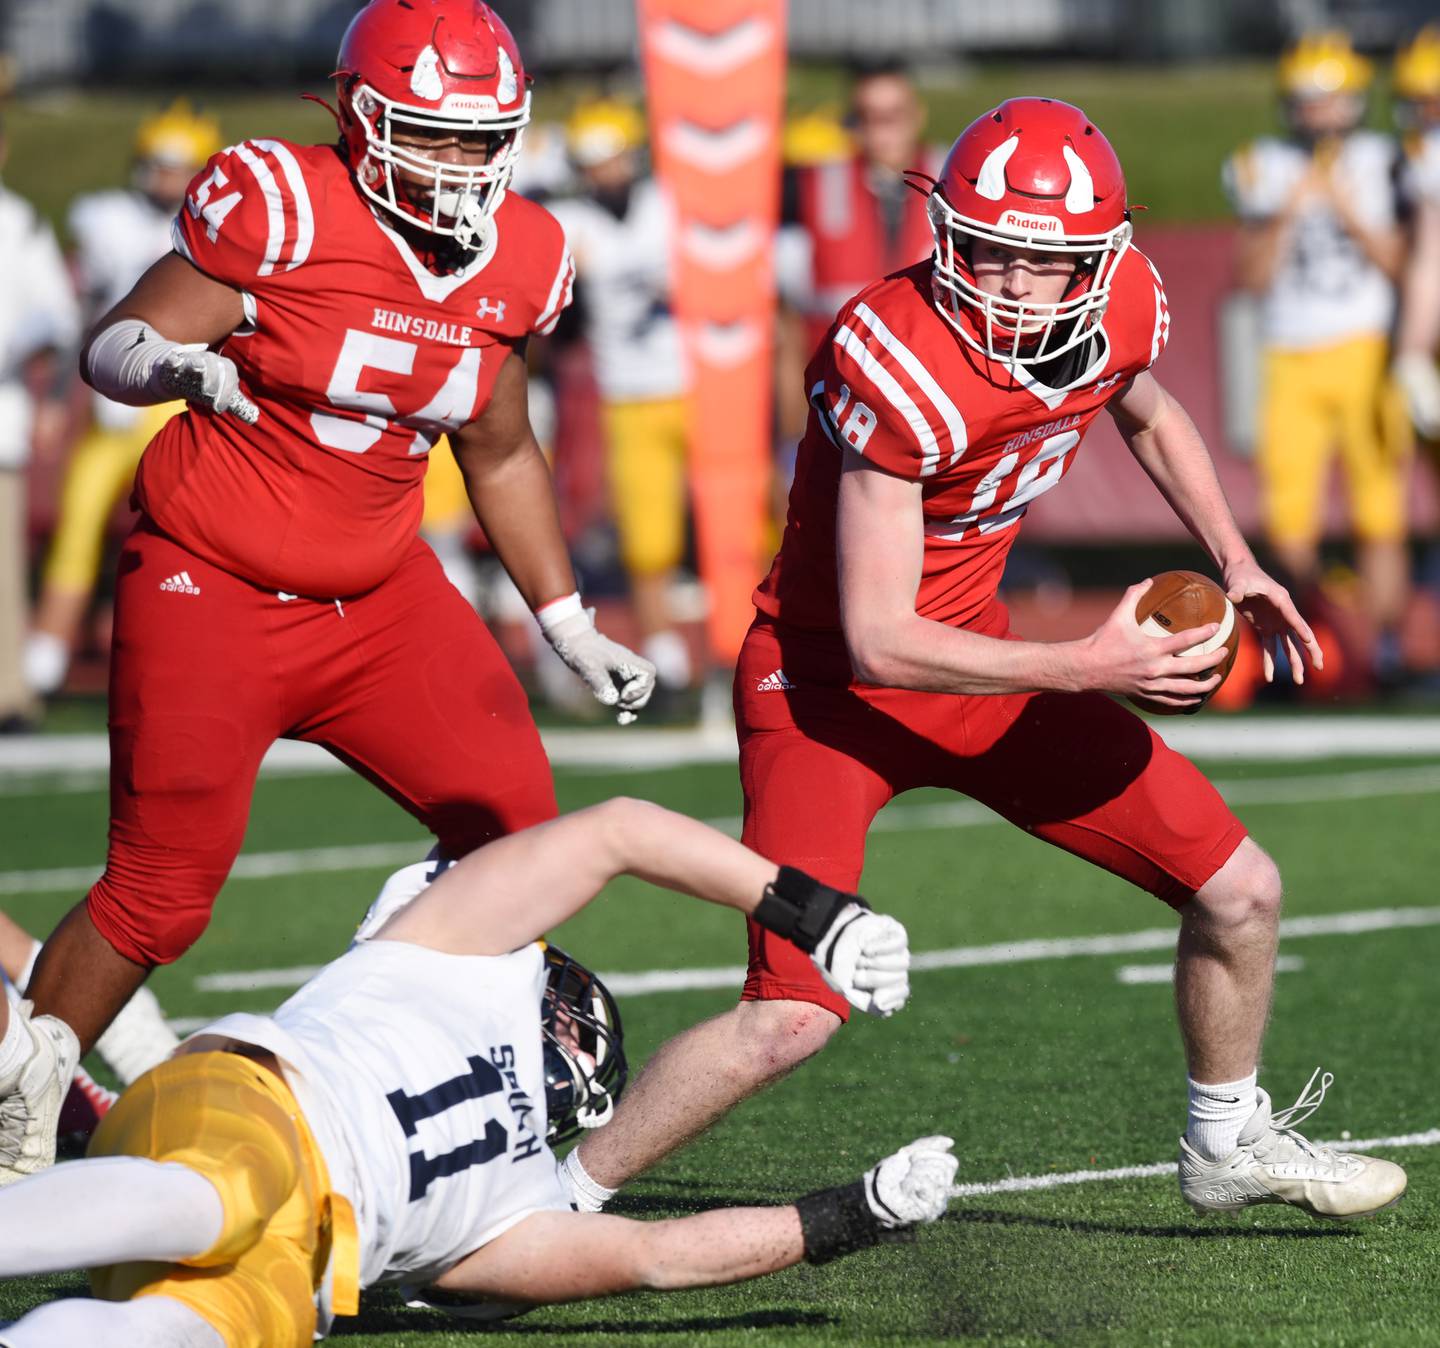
(1288, 1146)
(14, 1125)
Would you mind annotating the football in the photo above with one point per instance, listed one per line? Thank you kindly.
(1179, 600)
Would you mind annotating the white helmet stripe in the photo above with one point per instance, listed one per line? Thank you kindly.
(1080, 195)
(991, 182)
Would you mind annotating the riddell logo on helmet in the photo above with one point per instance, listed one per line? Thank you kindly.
(1034, 224)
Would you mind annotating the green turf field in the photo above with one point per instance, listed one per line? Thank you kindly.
(1173, 127)
(1036, 1068)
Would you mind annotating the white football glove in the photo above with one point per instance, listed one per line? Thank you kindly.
(617, 676)
(1419, 379)
(865, 957)
(913, 1185)
(201, 376)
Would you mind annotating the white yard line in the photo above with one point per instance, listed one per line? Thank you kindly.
(1136, 975)
(69, 762)
(1017, 1184)
(957, 957)
(960, 813)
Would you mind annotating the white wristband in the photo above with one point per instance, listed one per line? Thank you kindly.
(119, 362)
(557, 611)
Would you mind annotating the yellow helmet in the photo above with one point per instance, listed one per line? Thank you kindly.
(1323, 63)
(815, 137)
(178, 136)
(601, 129)
(1417, 65)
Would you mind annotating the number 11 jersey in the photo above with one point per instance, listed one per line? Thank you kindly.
(893, 382)
(357, 356)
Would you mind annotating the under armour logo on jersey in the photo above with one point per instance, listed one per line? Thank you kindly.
(484, 309)
(180, 583)
(773, 683)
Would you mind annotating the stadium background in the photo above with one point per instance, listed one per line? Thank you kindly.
(1040, 1034)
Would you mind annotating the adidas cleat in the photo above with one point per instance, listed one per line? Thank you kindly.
(1272, 1163)
(31, 1096)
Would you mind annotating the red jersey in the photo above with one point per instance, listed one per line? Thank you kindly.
(357, 357)
(895, 382)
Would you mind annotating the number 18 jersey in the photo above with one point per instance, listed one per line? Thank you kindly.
(895, 383)
(357, 356)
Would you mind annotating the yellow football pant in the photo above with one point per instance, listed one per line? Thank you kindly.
(100, 471)
(237, 1124)
(1335, 398)
(645, 445)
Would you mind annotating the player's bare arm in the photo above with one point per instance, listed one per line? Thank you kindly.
(154, 345)
(510, 488)
(519, 887)
(880, 537)
(1166, 444)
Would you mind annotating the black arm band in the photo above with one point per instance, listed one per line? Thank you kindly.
(839, 1221)
(800, 908)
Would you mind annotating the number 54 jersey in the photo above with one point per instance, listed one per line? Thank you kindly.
(893, 382)
(358, 357)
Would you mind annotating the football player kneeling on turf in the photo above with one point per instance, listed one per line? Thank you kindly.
(392, 1122)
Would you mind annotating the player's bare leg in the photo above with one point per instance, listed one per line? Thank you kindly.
(692, 1081)
(81, 978)
(1384, 570)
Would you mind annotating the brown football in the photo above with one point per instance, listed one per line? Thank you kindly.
(1183, 599)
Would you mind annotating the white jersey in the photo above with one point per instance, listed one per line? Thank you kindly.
(1325, 289)
(422, 1078)
(1420, 180)
(37, 311)
(118, 236)
(624, 266)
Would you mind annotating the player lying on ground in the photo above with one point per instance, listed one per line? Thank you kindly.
(946, 398)
(329, 312)
(390, 1122)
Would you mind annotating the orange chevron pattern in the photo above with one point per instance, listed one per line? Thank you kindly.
(715, 75)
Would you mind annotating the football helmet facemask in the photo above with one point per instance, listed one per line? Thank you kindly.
(438, 70)
(1033, 173)
(585, 1067)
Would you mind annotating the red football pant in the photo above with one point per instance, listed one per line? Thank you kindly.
(404, 683)
(818, 760)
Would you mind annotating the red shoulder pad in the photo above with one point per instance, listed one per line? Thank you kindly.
(541, 261)
(1141, 311)
(874, 392)
(248, 213)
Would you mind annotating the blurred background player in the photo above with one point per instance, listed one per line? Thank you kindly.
(1417, 111)
(38, 319)
(117, 235)
(1321, 245)
(619, 230)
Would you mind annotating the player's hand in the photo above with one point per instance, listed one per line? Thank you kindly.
(616, 675)
(1277, 622)
(865, 957)
(205, 378)
(1419, 380)
(1119, 658)
(913, 1185)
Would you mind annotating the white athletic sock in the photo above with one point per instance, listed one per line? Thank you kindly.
(23, 982)
(110, 1210)
(588, 1194)
(16, 1045)
(138, 1038)
(149, 1322)
(1218, 1113)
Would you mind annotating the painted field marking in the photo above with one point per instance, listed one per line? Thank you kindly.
(957, 957)
(1017, 1184)
(1135, 974)
(899, 818)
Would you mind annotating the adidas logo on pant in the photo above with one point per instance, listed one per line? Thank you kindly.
(180, 583)
(774, 683)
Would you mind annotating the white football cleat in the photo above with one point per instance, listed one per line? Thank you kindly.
(31, 1095)
(1272, 1163)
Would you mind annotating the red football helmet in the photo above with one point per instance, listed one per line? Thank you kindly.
(1033, 173)
(422, 66)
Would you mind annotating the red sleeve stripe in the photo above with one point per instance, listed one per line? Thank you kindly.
(913, 366)
(884, 383)
(559, 297)
(299, 199)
